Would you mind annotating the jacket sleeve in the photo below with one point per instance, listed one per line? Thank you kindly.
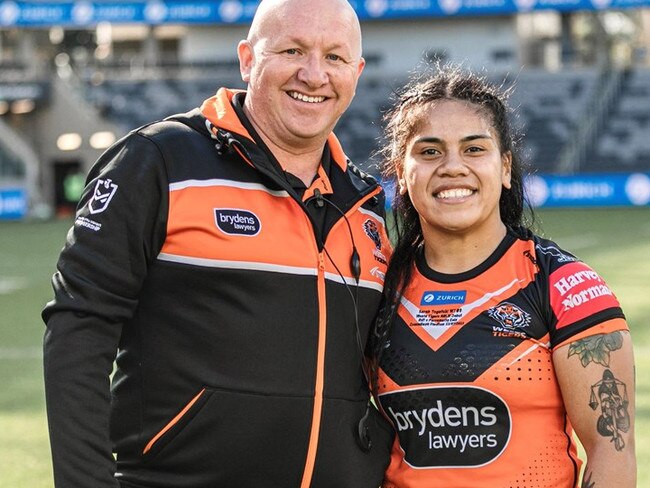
(119, 228)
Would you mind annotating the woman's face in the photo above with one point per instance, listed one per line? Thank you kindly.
(454, 170)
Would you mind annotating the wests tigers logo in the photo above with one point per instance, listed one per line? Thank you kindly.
(509, 316)
(372, 231)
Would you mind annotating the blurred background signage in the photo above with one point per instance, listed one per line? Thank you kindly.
(82, 13)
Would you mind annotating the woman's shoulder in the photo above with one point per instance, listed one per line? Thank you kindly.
(549, 255)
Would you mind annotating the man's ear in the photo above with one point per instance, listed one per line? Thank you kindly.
(246, 56)
(360, 66)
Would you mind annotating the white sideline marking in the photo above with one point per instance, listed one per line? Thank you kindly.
(32, 352)
(9, 285)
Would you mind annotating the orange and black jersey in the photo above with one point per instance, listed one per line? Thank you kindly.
(467, 378)
(230, 297)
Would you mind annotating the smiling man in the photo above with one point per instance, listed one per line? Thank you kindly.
(302, 71)
(233, 258)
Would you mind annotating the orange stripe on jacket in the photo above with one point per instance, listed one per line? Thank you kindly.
(173, 422)
(193, 229)
(320, 380)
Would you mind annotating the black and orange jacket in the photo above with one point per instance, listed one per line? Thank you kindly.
(468, 379)
(232, 314)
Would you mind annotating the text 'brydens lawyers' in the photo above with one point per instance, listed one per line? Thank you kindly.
(440, 416)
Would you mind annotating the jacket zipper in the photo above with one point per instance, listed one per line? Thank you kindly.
(314, 434)
(320, 360)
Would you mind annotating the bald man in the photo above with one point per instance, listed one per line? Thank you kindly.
(228, 263)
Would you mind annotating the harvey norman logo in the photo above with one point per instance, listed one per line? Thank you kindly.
(234, 221)
(430, 298)
(573, 293)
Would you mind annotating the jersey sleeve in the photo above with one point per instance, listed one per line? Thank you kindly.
(118, 228)
(582, 304)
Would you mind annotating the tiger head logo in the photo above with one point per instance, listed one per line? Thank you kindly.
(510, 316)
(372, 231)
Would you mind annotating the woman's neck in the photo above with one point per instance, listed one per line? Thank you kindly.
(453, 253)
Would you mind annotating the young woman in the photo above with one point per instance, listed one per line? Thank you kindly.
(494, 344)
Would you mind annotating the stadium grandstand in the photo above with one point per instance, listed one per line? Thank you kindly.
(77, 75)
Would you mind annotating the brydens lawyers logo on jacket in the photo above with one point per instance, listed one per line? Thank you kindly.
(234, 221)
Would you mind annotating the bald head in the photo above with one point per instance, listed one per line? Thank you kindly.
(301, 62)
(271, 14)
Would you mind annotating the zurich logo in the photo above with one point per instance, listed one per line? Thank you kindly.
(430, 298)
(234, 221)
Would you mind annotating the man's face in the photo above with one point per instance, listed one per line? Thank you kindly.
(302, 67)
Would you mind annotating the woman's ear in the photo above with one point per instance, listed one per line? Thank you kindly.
(401, 183)
(506, 170)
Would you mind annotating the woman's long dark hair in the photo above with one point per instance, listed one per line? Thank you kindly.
(402, 121)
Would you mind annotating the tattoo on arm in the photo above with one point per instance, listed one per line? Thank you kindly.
(611, 395)
(586, 481)
(596, 349)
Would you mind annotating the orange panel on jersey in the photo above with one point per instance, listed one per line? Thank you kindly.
(606, 327)
(449, 431)
(436, 324)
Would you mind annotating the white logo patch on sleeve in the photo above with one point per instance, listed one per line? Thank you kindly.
(102, 196)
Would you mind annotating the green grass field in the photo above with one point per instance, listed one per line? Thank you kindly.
(615, 242)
